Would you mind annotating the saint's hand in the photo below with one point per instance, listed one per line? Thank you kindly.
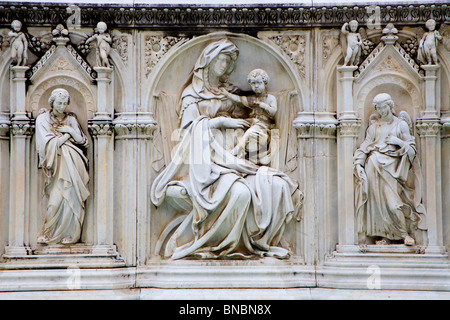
(395, 141)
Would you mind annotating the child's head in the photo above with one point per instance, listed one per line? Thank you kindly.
(16, 25)
(101, 27)
(353, 25)
(258, 80)
(430, 24)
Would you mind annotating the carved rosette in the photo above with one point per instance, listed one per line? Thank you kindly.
(100, 128)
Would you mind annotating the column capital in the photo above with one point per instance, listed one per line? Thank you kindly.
(100, 127)
(319, 125)
(349, 127)
(131, 125)
(428, 127)
(22, 128)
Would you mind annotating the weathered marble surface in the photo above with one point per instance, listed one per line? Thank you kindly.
(126, 91)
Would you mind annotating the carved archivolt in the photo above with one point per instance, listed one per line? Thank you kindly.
(66, 81)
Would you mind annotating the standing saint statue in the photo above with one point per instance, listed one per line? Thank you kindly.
(58, 141)
(388, 196)
(234, 208)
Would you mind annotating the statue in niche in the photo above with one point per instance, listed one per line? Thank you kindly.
(254, 144)
(235, 208)
(104, 42)
(19, 44)
(59, 143)
(388, 197)
(427, 52)
(354, 43)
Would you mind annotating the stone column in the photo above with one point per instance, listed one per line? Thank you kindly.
(316, 133)
(348, 129)
(429, 128)
(102, 131)
(21, 131)
(133, 133)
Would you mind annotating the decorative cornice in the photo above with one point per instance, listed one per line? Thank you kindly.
(229, 16)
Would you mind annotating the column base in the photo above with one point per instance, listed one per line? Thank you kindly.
(386, 267)
(60, 256)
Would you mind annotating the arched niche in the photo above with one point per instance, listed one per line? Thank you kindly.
(170, 76)
(83, 104)
(172, 71)
(404, 92)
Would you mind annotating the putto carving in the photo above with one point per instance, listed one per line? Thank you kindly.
(254, 144)
(427, 53)
(19, 44)
(103, 46)
(59, 143)
(353, 43)
(387, 200)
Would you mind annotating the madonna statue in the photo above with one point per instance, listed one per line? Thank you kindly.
(235, 208)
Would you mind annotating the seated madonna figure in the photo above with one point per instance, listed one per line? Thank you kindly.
(388, 199)
(236, 208)
(58, 141)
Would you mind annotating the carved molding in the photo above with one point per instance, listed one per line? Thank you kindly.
(229, 16)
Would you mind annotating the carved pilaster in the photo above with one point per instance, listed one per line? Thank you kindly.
(429, 131)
